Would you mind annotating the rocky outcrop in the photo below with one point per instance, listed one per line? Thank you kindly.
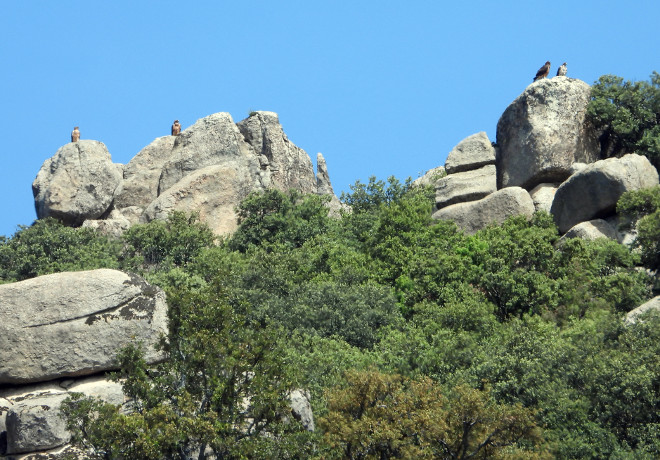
(652, 305)
(465, 186)
(594, 191)
(473, 152)
(208, 168)
(544, 132)
(77, 183)
(73, 324)
(494, 209)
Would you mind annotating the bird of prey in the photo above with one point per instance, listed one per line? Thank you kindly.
(561, 71)
(543, 71)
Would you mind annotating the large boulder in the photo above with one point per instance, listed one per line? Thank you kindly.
(213, 140)
(543, 132)
(77, 183)
(594, 229)
(289, 165)
(214, 192)
(33, 418)
(35, 424)
(74, 323)
(142, 174)
(494, 209)
(593, 192)
(472, 152)
(465, 186)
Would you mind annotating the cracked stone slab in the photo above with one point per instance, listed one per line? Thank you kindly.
(74, 323)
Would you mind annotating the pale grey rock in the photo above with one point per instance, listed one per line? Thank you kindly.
(27, 402)
(214, 192)
(494, 209)
(323, 185)
(35, 424)
(591, 230)
(77, 183)
(544, 132)
(430, 177)
(289, 165)
(594, 191)
(142, 174)
(542, 195)
(473, 152)
(465, 186)
(212, 141)
(301, 408)
(633, 316)
(74, 323)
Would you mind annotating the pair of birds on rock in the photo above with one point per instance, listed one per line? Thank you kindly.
(543, 71)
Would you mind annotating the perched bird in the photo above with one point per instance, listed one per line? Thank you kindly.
(543, 71)
(561, 71)
(75, 134)
(176, 128)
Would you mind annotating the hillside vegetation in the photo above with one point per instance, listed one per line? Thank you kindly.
(413, 339)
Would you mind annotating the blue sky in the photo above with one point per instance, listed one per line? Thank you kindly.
(380, 88)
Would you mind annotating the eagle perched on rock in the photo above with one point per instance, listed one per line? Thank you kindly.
(561, 71)
(543, 71)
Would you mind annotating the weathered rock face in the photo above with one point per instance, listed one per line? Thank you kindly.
(593, 191)
(472, 152)
(543, 132)
(72, 324)
(142, 174)
(214, 192)
(465, 186)
(495, 208)
(77, 183)
(289, 165)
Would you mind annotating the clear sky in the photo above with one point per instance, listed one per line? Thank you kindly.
(379, 87)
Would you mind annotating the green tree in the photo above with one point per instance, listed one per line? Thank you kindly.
(223, 392)
(48, 246)
(629, 115)
(276, 217)
(381, 416)
(165, 244)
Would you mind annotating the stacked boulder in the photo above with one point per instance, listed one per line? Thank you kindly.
(547, 157)
(209, 168)
(59, 335)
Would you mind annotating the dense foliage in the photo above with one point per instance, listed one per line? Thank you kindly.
(629, 115)
(414, 339)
